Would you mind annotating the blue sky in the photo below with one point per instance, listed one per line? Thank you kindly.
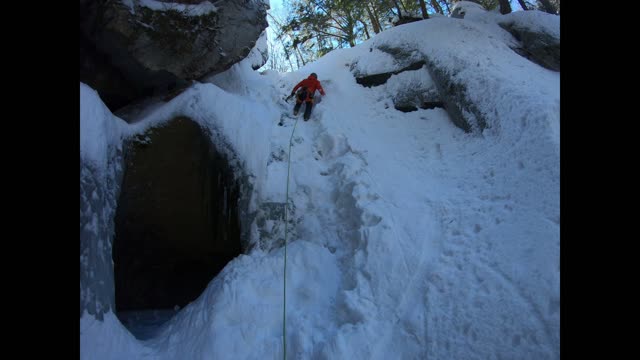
(277, 7)
(277, 10)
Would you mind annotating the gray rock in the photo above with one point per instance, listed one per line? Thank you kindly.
(461, 110)
(128, 53)
(121, 207)
(177, 221)
(99, 189)
(379, 79)
(418, 95)
(445, 91)
(539, 47)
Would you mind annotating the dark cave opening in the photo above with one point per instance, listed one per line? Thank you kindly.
(176, 225)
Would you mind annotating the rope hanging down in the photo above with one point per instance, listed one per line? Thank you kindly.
(286, 226)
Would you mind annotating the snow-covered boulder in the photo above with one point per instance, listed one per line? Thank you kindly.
(131, 48)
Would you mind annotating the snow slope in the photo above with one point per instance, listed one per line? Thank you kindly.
(408, 238)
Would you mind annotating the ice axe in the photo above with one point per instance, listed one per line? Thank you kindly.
(288, 97)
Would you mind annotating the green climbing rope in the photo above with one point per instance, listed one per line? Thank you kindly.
(286, 225)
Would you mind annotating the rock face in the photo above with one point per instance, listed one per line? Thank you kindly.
(161, 212)
(98, 200)
(463, 113)
(416, 91)
(435, 88)
(128, 50)
(539, 47)
(417, 97)
(379, 79)
(438, 86)
(535, 45)
(177, 221)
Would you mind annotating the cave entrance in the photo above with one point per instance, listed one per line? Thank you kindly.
(176, 224)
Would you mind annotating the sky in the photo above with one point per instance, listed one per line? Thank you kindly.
(277, 9)
(408, 237)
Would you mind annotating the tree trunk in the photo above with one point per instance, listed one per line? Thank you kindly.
(374, 20)
(423, 8)
(398, 7)
(505, 7)
(446, 5)
(403, 7)
(352, 42)
(301, 58)
(376, 16)
(279, 36)
(366, 29)
(437, 7)
(287, 54)
(523, 5)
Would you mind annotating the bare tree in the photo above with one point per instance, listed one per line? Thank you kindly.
(505, 7)
(299, 58)
(446, 5)
(423, 8)
(280, 35)
(437, 7)
(523, 5)
(374, 18)
(398, 7)
(366, 29)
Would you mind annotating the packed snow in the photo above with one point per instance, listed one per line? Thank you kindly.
(408, 238)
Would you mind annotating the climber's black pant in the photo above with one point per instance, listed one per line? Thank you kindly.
(302, 97)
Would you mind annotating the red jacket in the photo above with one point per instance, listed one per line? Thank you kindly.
(312, 84)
